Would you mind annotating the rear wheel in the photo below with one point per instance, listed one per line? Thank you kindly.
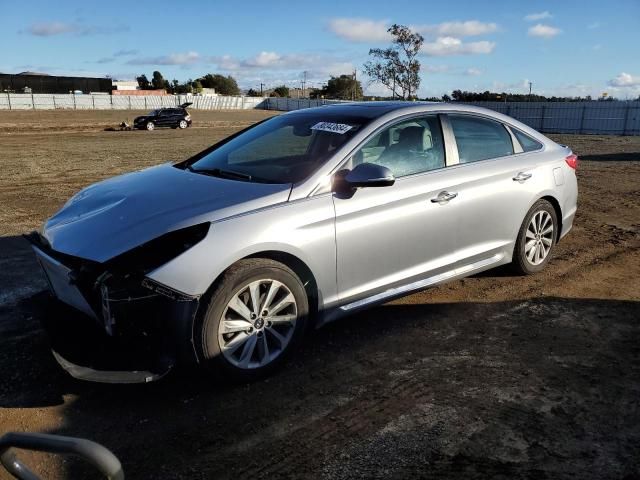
(150, 126)
(255, 318)
(183, 124)
(536, 239)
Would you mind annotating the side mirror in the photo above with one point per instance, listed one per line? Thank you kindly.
(369, 175)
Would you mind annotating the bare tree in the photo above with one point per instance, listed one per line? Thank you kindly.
(397, 67)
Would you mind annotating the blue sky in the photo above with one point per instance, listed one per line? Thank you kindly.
(564, 47)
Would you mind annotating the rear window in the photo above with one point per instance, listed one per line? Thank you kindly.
(480, 138)
(527, 143)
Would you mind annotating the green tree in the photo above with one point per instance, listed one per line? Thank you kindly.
(222, 85)
(344, 87)
(143, 82)
(397, 67)
(252, 93)
(281, 91)
(158, 82)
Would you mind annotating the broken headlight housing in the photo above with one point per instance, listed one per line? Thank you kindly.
(155, 253)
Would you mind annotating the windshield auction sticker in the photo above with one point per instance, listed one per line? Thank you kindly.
(340, 128)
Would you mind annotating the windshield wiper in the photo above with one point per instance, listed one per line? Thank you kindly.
(218, 172)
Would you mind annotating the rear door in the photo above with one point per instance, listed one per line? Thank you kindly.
(164, 117)
(496, 183)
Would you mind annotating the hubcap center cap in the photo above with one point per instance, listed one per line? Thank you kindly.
(259, 323)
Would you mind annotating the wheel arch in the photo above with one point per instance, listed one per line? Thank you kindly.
(300, 268)
(556, 206)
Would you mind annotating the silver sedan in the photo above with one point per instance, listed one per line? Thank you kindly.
(226, 258)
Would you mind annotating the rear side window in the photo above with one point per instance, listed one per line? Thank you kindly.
(480, 138)
(527, 143)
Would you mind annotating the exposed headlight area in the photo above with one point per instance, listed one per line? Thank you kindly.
(139, 325)
(155, 253)
(118, 291)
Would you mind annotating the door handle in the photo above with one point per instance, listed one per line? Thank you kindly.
(444, 197)
(522, 177)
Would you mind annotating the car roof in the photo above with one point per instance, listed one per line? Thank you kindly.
(370, 110)
(376, 109)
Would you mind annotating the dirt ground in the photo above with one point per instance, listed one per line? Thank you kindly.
(494, 376)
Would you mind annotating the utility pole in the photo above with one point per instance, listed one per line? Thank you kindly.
(530, 84)
(304, 82)
(261, 85)
(353, 88)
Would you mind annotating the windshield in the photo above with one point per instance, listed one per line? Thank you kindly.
(284, 149)
(153, 113)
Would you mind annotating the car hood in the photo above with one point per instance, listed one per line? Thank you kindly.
(116, 215)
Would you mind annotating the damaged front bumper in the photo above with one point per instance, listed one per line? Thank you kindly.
(114, 326)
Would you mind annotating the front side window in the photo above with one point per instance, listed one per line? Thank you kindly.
(480, 138)
(409, 147)
(284, 149)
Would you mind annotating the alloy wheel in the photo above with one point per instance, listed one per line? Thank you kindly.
(539, 237)
(257, 324)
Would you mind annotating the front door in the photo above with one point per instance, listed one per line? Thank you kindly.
(391, 237)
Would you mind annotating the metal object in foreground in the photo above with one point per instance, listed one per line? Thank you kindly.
(97, 455)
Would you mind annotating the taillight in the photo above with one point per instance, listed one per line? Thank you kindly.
(572, 161)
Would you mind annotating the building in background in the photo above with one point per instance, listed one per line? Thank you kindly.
(35, 82)
(125, 85)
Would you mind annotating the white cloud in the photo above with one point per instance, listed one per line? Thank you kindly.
(188, 58)
(533, 17)
(625, 80)
(264, 59)
(366, 30)
(544, 31)
(435, 68)
(273, 67)
(49, 29)
(124, 52)
(360, 29)
(473, 72)
(593, 26)
(457, 29)
(454, 46)
(521, 86)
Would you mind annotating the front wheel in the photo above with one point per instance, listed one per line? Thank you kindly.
(255, 318)
(536, 239)
(151, 126)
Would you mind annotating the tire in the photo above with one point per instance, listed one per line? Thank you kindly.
(535, 243)
(232, 342)
(182, 124)
(150, 126)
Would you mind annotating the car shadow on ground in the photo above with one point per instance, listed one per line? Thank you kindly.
(612, 157)
(517, 388)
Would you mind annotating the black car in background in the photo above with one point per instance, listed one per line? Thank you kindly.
(174, 117)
